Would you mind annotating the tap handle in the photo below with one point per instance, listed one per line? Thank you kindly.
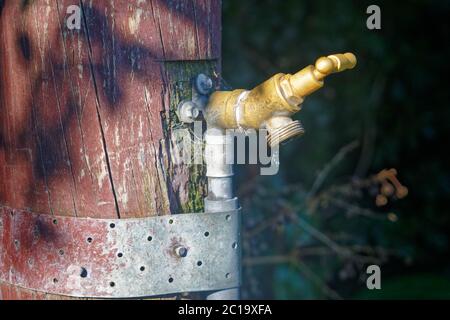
(334, 63)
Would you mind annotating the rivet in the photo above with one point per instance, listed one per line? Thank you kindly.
(181, 251)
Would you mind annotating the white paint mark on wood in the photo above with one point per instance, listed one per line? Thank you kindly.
(134, 21)
(103, 174)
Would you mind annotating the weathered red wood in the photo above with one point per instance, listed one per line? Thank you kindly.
(193, 23)
(35, 247)
(85, 115)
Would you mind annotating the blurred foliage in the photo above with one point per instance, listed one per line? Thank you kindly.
(395, 103)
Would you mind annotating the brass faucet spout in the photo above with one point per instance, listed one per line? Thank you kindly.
(271, 104)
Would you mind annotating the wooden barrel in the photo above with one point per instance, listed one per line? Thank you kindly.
(87, 111)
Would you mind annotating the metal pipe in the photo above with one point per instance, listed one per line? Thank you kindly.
(229, 294)
(220, 188)
(219, 154)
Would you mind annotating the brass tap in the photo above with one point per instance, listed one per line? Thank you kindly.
(271, 104)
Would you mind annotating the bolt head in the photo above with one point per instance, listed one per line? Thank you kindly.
(188, 111)
(203, 84)
(193, 112)
(181, 251)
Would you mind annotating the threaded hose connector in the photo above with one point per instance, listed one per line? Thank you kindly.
(281, 134)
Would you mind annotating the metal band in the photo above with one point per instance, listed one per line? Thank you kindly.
(118, 258)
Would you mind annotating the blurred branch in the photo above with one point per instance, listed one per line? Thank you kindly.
(376, 255)
(342, 251)
(316, 233)
(308, 273)
(368, 146)
(330, 166)
(262, 226)
(355, 210)
(301, 267)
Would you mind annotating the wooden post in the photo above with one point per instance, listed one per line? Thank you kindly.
(86, 114)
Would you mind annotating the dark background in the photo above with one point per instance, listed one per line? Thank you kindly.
(311, 230)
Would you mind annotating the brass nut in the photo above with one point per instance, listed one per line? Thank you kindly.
(288, 93)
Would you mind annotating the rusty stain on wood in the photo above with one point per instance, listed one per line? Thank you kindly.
(86, 115)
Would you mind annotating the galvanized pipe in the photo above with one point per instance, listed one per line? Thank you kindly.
(219, 154)
(229, 294)
(220, 188)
